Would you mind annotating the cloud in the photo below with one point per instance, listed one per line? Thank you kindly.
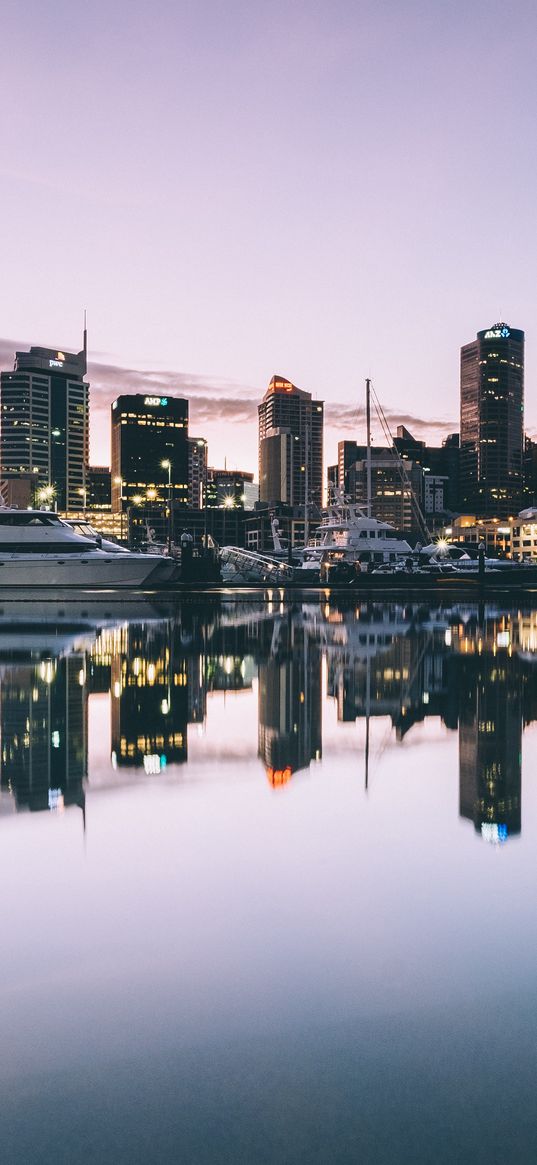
(213, 398)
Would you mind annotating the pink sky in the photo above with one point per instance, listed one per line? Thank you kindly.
(323, 190)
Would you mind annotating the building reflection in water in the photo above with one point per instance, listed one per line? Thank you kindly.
(492, 685)
(289, 701)
(44, 735)
(472, 669)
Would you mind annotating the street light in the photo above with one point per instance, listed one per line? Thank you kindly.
(46, 495)
(168, 465)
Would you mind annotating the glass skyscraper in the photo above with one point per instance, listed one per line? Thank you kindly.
(492, 422)
(44, 405)
(147, 431)
(290, 445)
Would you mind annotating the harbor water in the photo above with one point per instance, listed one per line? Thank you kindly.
(268, 878)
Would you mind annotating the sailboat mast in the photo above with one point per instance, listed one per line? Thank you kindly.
(368, 438)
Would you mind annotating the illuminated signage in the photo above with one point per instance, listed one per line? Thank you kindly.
(155, 400)
(55, 363)
(495, 834)
(502, 333)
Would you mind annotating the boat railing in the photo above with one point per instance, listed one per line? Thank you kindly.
(255, 565)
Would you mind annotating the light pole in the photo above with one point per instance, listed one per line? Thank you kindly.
(168, 465)
(228, 504)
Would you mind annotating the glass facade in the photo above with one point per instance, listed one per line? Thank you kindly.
(290, 445)
(147, 431)
(492, 422)
(44, 406)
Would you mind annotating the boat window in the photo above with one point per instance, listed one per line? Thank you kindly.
(363, 533)
(28, 518)
(45, 547)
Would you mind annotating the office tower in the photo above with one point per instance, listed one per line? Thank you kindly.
(290, 445)
(44, 406)
(492, 422)
(231, 487)
(197, 472)
(98, 487)
(394, 491)
(438, 462)
(149, 450)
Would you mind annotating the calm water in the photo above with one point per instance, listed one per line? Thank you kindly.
(268, 883)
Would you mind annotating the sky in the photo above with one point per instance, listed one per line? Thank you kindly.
(322, 190)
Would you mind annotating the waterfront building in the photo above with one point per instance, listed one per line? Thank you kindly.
(149, 450)
(440, 462)
(290, 445)
(197, 472)
(98, 488)
(394, 490)
(231, 487)
(44, 409)
(492, 422)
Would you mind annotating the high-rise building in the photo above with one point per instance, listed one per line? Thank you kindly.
(197, 471)
(290, 445)
(492, 422)
(231, 487)
(99, 487)
(395, 495)
(149, 450)
(44, 407)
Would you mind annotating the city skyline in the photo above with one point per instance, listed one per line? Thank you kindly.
(362, 213)
(237, 441)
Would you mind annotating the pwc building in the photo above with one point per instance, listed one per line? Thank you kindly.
(44, 406)
(148, 431)
(492, 422)
(290, 445)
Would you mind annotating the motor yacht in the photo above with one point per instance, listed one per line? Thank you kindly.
(38, 549)
(347, 535)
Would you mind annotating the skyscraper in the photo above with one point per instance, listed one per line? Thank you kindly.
(149, 450)
(492, 422)
(44, 406)
(290, 445)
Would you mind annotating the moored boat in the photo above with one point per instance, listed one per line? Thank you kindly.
(38, 549)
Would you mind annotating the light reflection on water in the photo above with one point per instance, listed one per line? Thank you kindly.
(264, 893)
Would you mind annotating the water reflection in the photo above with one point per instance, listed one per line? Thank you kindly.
(472, 669)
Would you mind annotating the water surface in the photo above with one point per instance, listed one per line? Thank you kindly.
(268, 883)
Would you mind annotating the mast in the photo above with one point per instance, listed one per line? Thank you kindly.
(368, 439)
(306, 482)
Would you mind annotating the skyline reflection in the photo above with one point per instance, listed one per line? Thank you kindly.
(469, 668)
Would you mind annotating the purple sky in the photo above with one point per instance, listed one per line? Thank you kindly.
(322, 190)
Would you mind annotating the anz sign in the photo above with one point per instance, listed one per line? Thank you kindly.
(499, 333)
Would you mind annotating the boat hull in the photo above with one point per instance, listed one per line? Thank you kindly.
(94, 571)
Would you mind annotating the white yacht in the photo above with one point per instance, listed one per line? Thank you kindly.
(38, 549)
(347, 535)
